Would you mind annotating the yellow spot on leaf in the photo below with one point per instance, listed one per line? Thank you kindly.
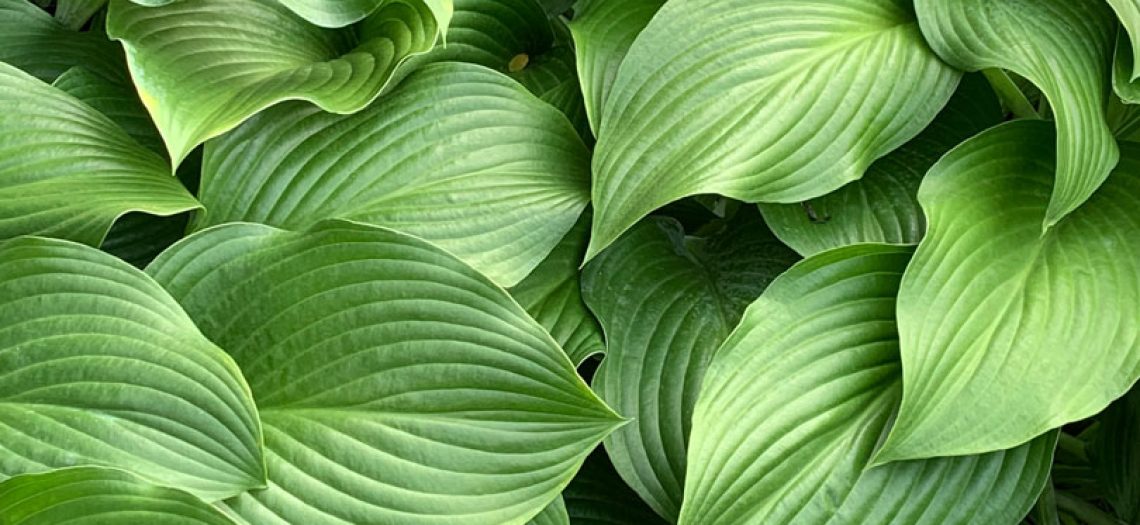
(518, 62)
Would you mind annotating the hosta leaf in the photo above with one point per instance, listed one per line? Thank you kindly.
(396, 385)
(99, 496)
(552, 294)
(32, 40)
(603, 32)
(883, 205)
(597, 496)
(102, 367)
(204, 66)
(553, 514)
(1007, 332)
(666, 302)
(1128, 11)
(333, 13)
(458, 154)
(1062, 46)
(68, 171)
(75, 13)
(115, 99)
(770, 100)
(795, 401)
(1115, 456)
(1122, 65)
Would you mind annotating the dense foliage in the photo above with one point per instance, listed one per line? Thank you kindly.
(551, 262)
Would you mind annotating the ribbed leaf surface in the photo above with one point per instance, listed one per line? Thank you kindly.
(102, 367)
(761, 101)
(33, 41)
(1006, 332)
(396, 384)
(458, 154)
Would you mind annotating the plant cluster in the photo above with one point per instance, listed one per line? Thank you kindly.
(552, 262)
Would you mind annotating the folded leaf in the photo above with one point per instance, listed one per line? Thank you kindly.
(102, 367)
(552, 294)
(1122, 65)
(1062, 46)
(75, 13)
(666, 302)
(99, 496)
(68, 171)
(883, 205)
(796, 400)
(204, 66)
(396, 384)
(1007, 332)
(114, 98)
(33, 41)
(458, 154)
(1128, 11)
(603, 32)
(761, 101)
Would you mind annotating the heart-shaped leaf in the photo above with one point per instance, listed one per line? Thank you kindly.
(1006, 332)
(761, 101)
(458, 154)
(99, 496)
(666, 302)
(603, 32)
(68, 171)
(396, 385)
(204, 66)
(1062, 46)
(552, 294)
(102, 367)
(883, 205)
(796, 400)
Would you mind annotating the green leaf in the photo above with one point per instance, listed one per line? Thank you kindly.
(204, 66)
(772, 101)
(552, 295)
(1062, 46)
(597, 496)
(1122, 65)
(799, 395)
(1115, 456)
(458, 154)
(396, 385)
(1128, 11)
(333, 13)
(32, 40)
(114, 98)
(1007, 332)
(74, 14)
(603, 32)
(553, 514)
(68, 171)
(102, 367)
(666, 302)
(883, 205)
(99, 496)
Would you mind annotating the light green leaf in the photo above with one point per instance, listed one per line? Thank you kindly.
(1128, 11)
(1007, 332)
(603, 32)
(883, 205)
(796, 400)
(553, 514)
(68, 171)
(761, 101)
(1115, 456)
(666, 302)
(457, 154)
(597, 496)
(73, 14)
(99, 496)
(102, 367)
(396, 385)
(204, 66)
(33, 41)
(1062, 46)
(552, 295)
